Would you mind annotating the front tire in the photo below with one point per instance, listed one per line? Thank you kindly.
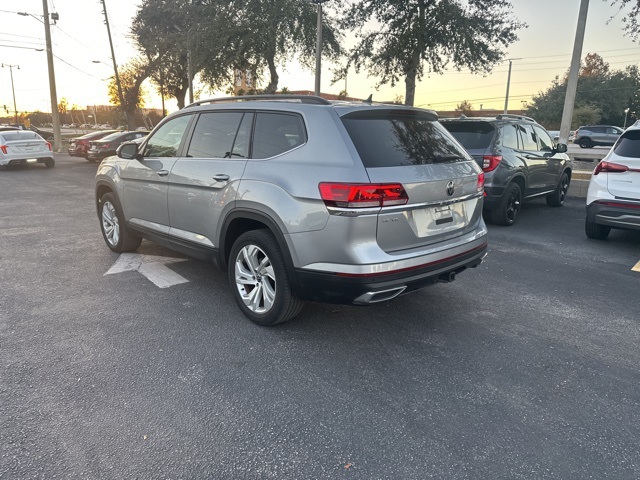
(585, 143)
(507, 212)
(258, 279)
(596, 231)
(557, 198)
(114, 230)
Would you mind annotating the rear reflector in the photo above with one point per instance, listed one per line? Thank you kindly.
(349, 195)
(617, 204)
(490, 162)
(609, 167)
(3, 148)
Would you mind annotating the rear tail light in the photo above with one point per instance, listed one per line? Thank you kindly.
(491, 162)
(349, 195)
(480, 184)
(3, 148)
(49, 147)
(608, 167)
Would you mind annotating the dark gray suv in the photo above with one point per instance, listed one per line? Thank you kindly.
(300, 199)
(519, 159)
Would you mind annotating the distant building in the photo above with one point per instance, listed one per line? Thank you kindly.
(243, 80)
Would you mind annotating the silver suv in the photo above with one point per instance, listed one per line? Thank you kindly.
(298, 198)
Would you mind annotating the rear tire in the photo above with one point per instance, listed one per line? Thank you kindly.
(507, 212)
(556, 199)
(114, 230)
(258, 279)
(596, 231)
(585, 143)
(49, 163)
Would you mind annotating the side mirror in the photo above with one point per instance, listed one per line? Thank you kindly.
(561, 148)
(128, 150)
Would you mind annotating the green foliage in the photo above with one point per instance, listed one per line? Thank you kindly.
(631, 26)
(399, 39)
(602, 94)
(464, 107)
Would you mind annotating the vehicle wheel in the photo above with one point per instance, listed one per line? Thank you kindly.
(596, 231)
(258, 279)
(114, 230)
(507, 212)
(49, 163)
(556, 199)
(585, 143)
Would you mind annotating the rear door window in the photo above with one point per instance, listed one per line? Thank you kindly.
(214, 135)
(628, 145)
(391, 141)
(277, 133)
(472, 135)
(510, 137)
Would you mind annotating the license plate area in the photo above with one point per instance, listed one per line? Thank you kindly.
(439, 219)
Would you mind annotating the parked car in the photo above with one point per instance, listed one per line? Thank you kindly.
(47, 135)
(519, 159)
(107, 146)
(79, 147)
(555, 135)
(300, 199)
(613, 197)
(594, 135)
(19, 147)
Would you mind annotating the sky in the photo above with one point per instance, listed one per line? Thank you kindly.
(83, 61)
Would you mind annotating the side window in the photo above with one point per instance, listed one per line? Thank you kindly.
(510, 137)
(166, 140)
(528, 138)
(214, 135)
(276, 133)
(241, 143)
(544, 140)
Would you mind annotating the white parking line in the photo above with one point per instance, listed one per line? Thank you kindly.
(636, 268)
(151, 266)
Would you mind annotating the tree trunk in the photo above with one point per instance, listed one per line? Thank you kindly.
(179, 95)
(273, 83)
(410, 88)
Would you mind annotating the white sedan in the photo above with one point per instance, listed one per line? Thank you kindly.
(19, 147)
(613, 198)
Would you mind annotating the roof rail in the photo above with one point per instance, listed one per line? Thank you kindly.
(517, 117)
(310, 99)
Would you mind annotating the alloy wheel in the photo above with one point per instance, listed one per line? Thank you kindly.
(110, 224)
(513, 205)
(255, 279)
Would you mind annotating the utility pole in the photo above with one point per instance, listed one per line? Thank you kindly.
(506, 98)
(115, 65)
(574, 70)
(318, 45)
(55, 119)
(13, 91)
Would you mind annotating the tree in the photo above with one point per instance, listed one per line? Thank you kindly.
(602, 96)
(132, 75)
(465, 107)
(631, 25)
(409, 35)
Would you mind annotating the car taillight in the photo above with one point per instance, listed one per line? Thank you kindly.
(3, 148)
(490, 162)
(349, 195)
(480, 184)
(49, 147)
(608, 167)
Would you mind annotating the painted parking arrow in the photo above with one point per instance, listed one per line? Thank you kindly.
(151, 266)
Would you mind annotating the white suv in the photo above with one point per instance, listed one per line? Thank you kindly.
(613, 199)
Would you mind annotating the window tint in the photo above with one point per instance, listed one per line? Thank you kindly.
(545, 143)
(628, 144)
(241, 143)
(528, 138)
(398, 140)
(276, 133)
(510, 137)
(214, 135)
(166, 140)
(472, 135)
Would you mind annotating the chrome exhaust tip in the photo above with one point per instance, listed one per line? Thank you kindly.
(380, 296)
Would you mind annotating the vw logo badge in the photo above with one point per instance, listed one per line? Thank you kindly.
(450, 189)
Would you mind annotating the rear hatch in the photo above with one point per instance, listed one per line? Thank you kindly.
(624, 183)
(23, 143)
(408, 146)
(476, 137)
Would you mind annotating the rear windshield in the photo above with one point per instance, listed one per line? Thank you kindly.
(14, 135)
(392, 141)
(628, 144)
(472, 135)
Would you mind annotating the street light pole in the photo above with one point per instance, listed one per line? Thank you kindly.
(15, 109)
(506, 98)
(55, 119)
(318, 44)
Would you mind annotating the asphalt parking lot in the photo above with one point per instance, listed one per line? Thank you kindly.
(527, 367)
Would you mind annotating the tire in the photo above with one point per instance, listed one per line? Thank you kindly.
(556, 199)
(49, 163)
(596, 231)
(507, 212)
(258, 279)
(114, 230)
(585, 143)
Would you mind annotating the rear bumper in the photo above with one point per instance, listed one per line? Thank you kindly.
(366, 288)
(615, 214)
(12, 161)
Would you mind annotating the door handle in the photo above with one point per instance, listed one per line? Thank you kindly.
(221, 177)
(163, 173)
